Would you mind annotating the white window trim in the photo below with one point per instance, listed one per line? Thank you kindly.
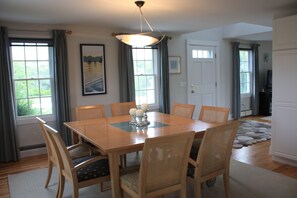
(23, 120)
(155, 106)
(32, 119)
(247, 95)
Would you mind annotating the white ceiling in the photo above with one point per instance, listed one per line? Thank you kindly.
(168, 16)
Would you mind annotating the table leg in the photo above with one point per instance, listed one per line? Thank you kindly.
(114, 174)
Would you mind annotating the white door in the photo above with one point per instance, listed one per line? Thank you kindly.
(201, 76)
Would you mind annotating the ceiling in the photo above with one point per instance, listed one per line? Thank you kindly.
(168, 16)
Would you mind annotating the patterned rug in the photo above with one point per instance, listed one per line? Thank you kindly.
(251, 132)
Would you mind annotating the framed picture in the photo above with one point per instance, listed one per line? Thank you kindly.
(174, 64)
(93, 69)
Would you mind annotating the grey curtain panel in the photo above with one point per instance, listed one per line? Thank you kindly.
(126, 73)
(8, 133)
(255, 80)
(61, 84)
(236, 81)
(164, 76)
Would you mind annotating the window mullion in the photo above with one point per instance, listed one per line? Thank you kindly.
(144, 68)
(39, 85)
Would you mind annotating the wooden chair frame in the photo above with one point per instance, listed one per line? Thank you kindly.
(118, 109)
(84, 150)
(184, 110)
(217, 111)
(121, 108)
(90, 112)
(66, 168)
(151, 186)
(215, 148)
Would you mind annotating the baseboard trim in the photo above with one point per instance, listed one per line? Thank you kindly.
(33, 152)
(284, 161)
(245, 113)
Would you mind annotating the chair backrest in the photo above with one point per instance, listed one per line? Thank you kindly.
(164, 162)
(48, 145)
(64, 159)
(215, 149)
(122, 108)
(214, 114)
(90, 112)
(184, 110)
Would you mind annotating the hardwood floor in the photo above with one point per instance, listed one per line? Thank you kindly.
(257, 155)
(25, 164)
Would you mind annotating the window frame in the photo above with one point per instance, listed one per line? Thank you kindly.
(32, 118)
(250, 71)
(155, 75)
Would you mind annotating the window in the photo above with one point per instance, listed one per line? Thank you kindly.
(245, 71)
(145, 75)
(32, 63)
(202, 54)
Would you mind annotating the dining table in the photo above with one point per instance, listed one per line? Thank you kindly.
(115, 136)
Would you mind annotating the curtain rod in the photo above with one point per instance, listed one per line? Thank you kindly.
(41, 31)
(246, 43)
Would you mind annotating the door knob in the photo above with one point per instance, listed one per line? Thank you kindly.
(192, 88)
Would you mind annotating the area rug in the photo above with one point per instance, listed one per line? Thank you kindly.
(246, 181)
(251, 132)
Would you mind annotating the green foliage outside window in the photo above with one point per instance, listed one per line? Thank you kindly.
(31, 73)
(144, 76)
(245, 71)
(23, 108)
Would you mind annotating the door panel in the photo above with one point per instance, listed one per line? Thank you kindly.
(201, 76)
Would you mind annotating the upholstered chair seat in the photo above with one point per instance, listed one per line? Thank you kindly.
(94, 170)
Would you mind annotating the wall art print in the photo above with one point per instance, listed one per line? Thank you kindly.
(93, 69)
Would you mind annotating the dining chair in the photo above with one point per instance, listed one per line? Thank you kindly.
(162, 169)
(76, 151)
(80, 172)
(121, 108)
(183, 110)
(213, 157)
(88, 112)
(118, 109)
(214, 114)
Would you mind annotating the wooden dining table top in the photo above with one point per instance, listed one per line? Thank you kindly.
(112, 134)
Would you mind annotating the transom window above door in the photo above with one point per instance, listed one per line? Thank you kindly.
(202, 54)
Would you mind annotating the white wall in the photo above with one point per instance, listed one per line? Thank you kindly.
(177, 47)
(93, 36)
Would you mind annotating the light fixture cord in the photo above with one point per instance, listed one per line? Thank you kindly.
(142, 16)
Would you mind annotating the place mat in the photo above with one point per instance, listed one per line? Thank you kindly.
(131, 128)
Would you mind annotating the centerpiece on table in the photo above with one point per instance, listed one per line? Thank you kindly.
(139, 116)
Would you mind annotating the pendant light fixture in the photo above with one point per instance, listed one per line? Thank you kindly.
(142, 38)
